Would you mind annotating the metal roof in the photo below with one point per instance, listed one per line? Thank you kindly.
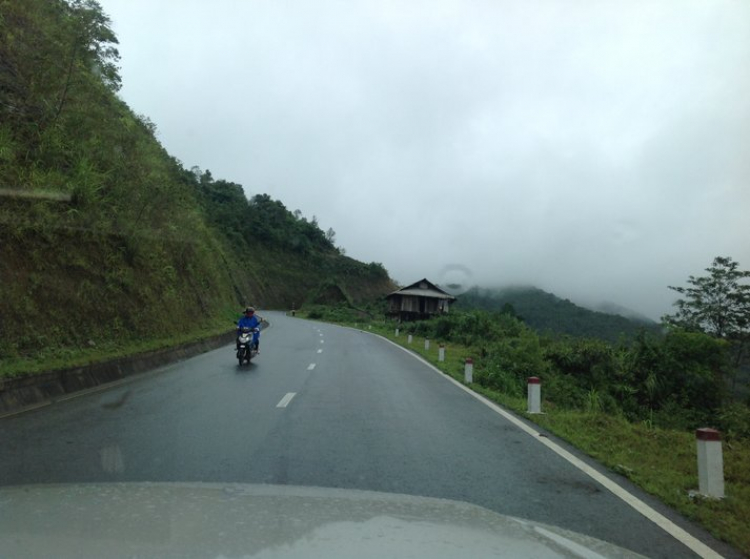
(431, 291)
(432, 294)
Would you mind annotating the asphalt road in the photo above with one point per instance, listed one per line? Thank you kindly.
(321, 406)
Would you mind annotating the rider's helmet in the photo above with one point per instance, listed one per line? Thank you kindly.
(249, 310)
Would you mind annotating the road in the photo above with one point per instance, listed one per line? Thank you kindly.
(321, 406)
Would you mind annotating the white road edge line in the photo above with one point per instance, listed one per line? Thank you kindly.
(311, 366)
(284, 402)
(660, 520)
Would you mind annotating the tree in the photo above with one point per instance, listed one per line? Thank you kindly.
(92, 47)
(717, 304)
(95, 41)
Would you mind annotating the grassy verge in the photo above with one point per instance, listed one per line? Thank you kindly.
(51, 359)
(662, 462)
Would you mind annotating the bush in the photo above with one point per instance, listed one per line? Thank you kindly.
(469, 328)
(591, 362)
(734, 421)
(495, 378)
(564, 391)
(520, 356)
(673, 414)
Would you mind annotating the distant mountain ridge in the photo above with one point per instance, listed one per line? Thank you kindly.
(608, 307)
(548, 313)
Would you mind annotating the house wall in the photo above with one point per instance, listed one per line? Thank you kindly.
(431, 306)
(410, 304)
(417, 305)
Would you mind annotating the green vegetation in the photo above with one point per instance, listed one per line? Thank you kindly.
(678, 380)
(550, 315)
(109, 242)
(63, 358)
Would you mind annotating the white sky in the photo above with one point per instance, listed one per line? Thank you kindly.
(599, 150)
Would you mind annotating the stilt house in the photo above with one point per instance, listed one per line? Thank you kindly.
(419, 300)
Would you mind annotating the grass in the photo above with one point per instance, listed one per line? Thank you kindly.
(663, 462)
(64, 358)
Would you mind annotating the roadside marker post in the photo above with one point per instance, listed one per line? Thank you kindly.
(410, 338)
(534, 395)
(469, 370)
(397, 332)
(426, 344)
(710, 463)
(441, 352)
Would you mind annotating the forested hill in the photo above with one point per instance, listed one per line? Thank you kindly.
(547, 313)
(105, 236)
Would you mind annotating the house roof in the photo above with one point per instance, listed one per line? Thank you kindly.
(423, 288)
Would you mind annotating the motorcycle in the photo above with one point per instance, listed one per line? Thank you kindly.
(247, 345)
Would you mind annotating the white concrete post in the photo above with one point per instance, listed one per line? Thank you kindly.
(534, 395)
(710, 463)
(397, 332)
(369, 326)
(426, 344)
(410, 338)
(469, 370)
(441, 353)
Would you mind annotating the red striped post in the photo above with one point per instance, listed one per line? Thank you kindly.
(710, 463)
(534, 397)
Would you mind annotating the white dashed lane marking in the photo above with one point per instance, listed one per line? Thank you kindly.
(284, 402)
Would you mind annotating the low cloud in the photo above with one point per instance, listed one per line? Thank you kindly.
(598, 151)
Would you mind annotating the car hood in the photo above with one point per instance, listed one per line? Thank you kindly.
(265, 521)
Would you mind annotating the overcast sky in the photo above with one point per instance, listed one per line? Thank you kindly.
(599, 150)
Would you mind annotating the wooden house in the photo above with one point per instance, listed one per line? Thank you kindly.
(419, 300)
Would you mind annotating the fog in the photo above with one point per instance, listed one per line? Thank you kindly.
(598, 150)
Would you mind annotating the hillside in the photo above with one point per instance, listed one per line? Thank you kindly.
(105, 237)
(547, 313)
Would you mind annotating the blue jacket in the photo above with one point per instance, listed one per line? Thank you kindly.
(249, 322)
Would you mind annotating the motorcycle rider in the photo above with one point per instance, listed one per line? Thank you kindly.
(252, 321)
